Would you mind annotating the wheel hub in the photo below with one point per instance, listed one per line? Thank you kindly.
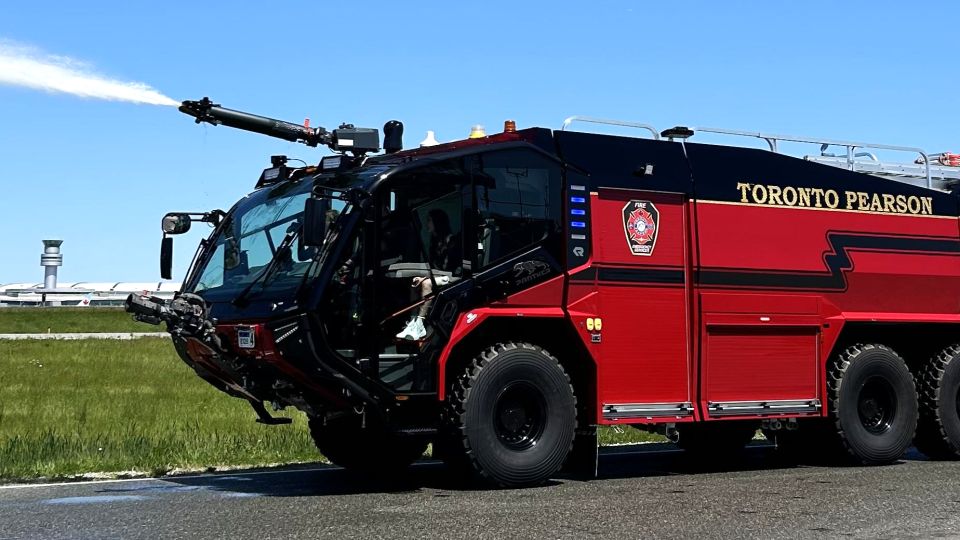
(519, 416)
(869, 408)
(514, 417)
(877, 405)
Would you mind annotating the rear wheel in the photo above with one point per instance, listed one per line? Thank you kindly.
(372, 449)
(513, 413)
(873, 404)
(938, 432)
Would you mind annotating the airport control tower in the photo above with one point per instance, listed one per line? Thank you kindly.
(50, 260)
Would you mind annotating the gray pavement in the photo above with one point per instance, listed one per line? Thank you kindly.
(653, 493)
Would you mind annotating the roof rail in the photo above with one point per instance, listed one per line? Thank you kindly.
(947, 174)
(648, 127)
(852, 146)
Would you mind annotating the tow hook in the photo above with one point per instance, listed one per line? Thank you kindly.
(264, 416)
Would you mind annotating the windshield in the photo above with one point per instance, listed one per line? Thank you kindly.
(249, 239)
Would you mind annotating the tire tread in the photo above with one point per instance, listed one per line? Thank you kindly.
(835, 378)
(932, 439)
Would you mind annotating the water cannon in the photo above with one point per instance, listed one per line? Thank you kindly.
(153, 310)
(346, 138)
(185, 315)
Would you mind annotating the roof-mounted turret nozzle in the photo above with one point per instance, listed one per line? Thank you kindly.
(347, 138)
(212, 113)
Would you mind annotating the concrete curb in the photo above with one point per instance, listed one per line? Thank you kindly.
(98, 335)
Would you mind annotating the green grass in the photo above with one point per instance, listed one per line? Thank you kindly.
(102, 405)
(69, 319)
(626, 435)
(75, 407)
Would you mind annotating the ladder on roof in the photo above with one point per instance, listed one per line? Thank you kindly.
(936, 171)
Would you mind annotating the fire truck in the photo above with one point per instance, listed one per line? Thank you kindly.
(502, 296)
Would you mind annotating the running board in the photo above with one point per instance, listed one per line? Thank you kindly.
(617, 411)
(743, 408)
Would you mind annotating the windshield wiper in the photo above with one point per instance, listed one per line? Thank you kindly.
(284, 247)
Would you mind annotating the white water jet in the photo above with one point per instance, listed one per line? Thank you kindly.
(28, 67)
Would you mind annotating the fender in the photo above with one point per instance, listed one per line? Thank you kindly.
(470, 320)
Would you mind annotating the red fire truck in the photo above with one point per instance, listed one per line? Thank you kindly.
(502, 296)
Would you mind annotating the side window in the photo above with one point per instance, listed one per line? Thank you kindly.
(420, 250)
(517, 194)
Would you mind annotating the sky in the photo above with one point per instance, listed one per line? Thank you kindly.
(101, 174)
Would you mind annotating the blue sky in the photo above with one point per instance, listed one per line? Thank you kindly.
(101, 174)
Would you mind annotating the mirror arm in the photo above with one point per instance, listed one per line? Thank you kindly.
(213, 216)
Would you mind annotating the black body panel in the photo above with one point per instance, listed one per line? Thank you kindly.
(719, 169)
(623, 162)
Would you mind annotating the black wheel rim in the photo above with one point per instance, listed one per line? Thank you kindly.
(877, 405)
(520, 416)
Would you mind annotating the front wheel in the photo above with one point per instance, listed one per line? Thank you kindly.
(513, 413)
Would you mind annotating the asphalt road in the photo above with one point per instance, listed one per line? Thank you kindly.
(654, 493)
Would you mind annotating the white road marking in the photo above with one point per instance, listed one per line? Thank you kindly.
(165, 478)
(89, 335)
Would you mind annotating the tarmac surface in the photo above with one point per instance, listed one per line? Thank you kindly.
(648, 492)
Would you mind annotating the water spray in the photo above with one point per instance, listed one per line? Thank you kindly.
(30, 68)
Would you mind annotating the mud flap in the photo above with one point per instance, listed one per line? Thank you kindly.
(582, 460)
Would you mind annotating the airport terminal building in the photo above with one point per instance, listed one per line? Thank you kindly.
(82, 294)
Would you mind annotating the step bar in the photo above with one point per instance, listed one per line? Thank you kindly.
(618, 411)
(763, 408)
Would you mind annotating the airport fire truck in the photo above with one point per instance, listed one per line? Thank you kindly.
(502, 296)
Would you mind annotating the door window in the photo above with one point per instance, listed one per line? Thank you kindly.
(518, 205)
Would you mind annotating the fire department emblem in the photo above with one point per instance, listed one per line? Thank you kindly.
(641, 222)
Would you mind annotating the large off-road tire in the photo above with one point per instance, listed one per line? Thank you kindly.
(370, 449)
(938, 432)
(513, 412)
(717, 439)
(873, 404)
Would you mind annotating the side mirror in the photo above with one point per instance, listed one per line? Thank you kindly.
(175, 223)
(315, 221)
(166, 258)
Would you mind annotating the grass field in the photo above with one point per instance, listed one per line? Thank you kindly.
(102, 406)
(105, 405)
(68, 319)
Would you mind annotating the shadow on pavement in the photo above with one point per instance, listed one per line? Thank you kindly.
(614, 463)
